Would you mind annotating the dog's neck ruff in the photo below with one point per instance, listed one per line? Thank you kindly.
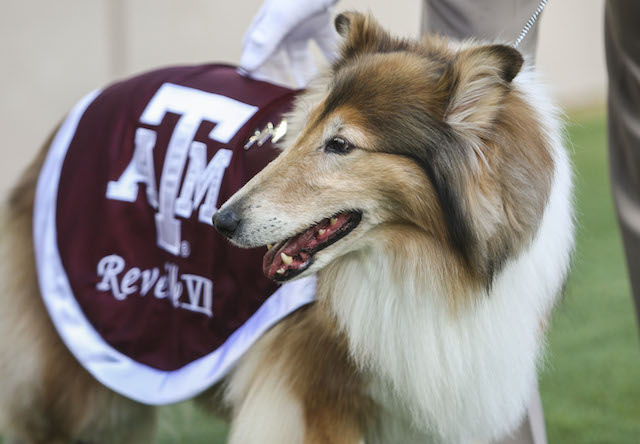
(455, 375)
(150, 299)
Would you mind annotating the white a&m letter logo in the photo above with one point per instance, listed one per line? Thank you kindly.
(202, 180)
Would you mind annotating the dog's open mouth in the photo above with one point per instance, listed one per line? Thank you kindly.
(292, 256)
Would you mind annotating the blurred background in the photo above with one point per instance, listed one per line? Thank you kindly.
(53, 53)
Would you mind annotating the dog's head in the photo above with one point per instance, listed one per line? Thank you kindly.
(429, 134)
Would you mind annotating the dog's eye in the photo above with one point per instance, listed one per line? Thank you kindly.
(338, 145)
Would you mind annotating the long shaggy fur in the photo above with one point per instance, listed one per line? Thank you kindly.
(430, 314)
(441, 293)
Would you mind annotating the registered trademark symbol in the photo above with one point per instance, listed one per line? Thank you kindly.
(185, 249)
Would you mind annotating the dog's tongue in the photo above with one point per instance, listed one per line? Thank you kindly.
(293, 248)
(298, 249)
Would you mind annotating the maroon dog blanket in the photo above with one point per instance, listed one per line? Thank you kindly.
(150, 299)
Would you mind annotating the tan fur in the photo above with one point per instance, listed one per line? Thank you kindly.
(522, 172)
(408, 106)
(45, 396)
(509, 172)
(302, 373)
(435, 124)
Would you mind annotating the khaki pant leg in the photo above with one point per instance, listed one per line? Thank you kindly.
(492, 20)
(622, 44)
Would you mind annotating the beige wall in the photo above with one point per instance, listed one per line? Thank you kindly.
(52, 52)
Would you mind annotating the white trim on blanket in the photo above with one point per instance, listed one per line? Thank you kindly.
(112, 368)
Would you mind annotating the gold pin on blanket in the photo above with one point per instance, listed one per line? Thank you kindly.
(252, 140)
(265, 134)
(275, 133)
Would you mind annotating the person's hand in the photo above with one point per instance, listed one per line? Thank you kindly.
(279, 38)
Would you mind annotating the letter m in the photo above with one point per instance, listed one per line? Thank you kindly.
(193, 106)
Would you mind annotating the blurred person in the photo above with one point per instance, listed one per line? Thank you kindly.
(622, 48)
(276, 46)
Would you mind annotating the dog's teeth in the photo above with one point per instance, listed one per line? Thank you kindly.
(334, 220)
(286, 259)
(321, 232)
(269, 246)
(280, 270)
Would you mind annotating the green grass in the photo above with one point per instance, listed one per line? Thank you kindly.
(185, 424)
(591, 384)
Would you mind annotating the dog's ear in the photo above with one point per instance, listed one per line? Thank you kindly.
(478, 80)
(362, 34)
(343, 22)
(357, 28)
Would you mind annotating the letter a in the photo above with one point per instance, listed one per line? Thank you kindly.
(139, 170)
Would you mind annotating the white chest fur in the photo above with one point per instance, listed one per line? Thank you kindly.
(463, 376)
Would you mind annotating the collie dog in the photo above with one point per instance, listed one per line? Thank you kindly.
(426, 185)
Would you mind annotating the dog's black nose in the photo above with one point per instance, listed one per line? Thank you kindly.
(226, 222)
